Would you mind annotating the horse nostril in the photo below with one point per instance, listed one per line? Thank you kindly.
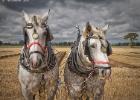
(39, 62)
(34, 64)
(103, 73)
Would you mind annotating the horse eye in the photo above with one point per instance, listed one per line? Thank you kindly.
(100, 38)
(29, 25)
(43, 25)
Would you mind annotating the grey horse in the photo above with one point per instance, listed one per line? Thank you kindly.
(87, 66)
(38, 71)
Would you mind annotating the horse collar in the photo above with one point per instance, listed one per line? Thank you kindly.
(51, 62)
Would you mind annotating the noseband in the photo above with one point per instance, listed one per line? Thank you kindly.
(43, 48)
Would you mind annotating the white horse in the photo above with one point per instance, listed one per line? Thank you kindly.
(88, 66)
(38, 70)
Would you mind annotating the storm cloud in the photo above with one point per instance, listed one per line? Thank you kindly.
(122, 16)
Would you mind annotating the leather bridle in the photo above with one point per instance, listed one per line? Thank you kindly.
(43, 48)
(28, 46)
(46, 52)
(94, 62)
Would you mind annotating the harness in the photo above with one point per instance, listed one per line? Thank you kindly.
(104, 49)
(49, 61)
(82, 70)
(73, 65)
(47, 53)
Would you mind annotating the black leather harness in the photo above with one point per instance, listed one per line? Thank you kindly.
(73, 65)
(82, 70)
(49, 61)
(48, 55)
(106, 49)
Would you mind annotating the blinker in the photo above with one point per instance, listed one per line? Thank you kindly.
(29, 25)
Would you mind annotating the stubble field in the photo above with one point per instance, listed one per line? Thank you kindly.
(125, 83)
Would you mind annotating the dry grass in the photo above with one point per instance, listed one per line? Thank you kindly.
(124, 85)
(127, 55)
(9, 86)
(8, 51)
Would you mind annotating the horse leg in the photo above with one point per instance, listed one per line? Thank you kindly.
(51, 88)
(99, 93)
(42, 95)
(27, 94)
(75, 98)
(51, 85)
(51, 93)
(29, 83)
(74, 95)
(73, 83)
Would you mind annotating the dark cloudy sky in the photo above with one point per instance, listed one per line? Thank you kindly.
(122, 15)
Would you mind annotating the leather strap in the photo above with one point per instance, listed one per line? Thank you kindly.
(36, 43)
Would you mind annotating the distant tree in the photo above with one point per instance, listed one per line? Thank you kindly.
(131, 37)
(1, 42)
(21, 42)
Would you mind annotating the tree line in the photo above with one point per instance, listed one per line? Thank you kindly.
(131, 37)
(20, 43)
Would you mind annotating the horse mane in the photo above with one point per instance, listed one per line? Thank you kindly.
(86, 31)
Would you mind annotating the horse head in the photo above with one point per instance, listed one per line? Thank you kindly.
(95, 46)
(36, 35)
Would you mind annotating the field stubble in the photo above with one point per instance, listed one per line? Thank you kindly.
(124, 85)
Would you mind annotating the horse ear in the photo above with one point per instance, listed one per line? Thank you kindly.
(87, 29)
(46, 16)
(95, 29)
(105, 28)
(26, 16)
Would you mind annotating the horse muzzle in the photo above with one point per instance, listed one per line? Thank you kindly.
(35, 63)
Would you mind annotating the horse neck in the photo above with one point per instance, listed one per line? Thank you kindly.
(82, 59)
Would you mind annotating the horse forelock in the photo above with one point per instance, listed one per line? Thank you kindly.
(97, 31)
(36, 20)
(86, 32)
